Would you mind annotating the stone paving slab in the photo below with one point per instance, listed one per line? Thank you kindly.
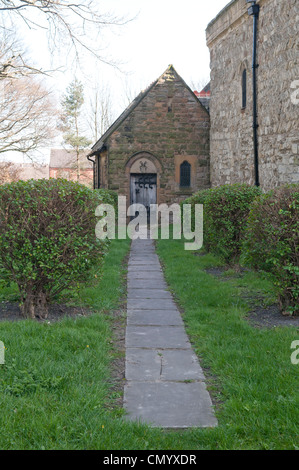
(153, 294)
(144, 257)
(143, 274)
(134, 262)
(139, 304)
(148, 253)
(169, 404)
(134, 266)
(156, 337)
(148, 267)
(149, 249)
(154, 318)
(146, 284)
(159, 364)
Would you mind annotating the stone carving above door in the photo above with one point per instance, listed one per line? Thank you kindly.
(143, 165)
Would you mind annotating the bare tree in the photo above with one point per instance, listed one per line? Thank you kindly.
(13, 58)
(129, 92)
(66, 23)
(26, 110)
(199, 85)
(99, 114)
(27, 115)
(8, 172)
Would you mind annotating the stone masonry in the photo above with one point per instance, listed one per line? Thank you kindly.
(230, 39)
(166, 125)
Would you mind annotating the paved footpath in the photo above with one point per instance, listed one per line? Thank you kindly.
(165, 385)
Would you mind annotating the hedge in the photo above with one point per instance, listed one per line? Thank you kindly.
(108, 196)
(225, 210)
(47, 238)
(272, 242)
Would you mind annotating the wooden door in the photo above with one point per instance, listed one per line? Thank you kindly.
(144, 190)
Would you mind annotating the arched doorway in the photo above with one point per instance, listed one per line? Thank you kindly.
(143, 180)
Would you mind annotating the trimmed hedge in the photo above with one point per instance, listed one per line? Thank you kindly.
(47, 238)
(272, 242)
(226, 209)
(226, 212)
(198, 198)
(108, 196)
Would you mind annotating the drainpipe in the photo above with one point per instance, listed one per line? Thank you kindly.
(93, 167)
(96, 154)
(254, 11)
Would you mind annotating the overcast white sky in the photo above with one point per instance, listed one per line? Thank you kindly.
(163, 32)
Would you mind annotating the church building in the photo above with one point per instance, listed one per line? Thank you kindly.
(254, 106)
(157, 151)
(242, 128)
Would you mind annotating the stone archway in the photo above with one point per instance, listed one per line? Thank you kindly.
(143, 171)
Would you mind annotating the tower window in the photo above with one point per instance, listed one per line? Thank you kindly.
(185, 174)
(244, 89)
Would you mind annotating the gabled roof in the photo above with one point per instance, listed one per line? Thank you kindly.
(206, 89)
(101, 142)
(204, 96)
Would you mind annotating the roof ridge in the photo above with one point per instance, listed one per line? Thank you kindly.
(100, 142)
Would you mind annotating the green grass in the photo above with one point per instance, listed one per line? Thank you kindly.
(251, 375)
(56, 387)
(55, 383)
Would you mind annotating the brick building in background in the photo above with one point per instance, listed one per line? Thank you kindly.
(63, 164)
(230, 40)
(157, 151)
(10, 171)
(204, 96)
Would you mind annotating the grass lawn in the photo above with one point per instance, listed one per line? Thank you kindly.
(57, 389)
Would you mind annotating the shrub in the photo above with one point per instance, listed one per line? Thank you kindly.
(47, 238)
(197, 198)
(226, 209)
(107, 196)
(272, 242)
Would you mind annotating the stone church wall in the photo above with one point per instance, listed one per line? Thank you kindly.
(230, 40)
(167, 127)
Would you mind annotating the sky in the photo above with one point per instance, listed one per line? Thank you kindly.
(164, 32)
(160, 33)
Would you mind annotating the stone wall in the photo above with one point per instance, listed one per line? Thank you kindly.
(230, 39)
(169, 125)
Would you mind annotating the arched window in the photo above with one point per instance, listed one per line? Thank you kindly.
(244, 89)
(185, 174)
